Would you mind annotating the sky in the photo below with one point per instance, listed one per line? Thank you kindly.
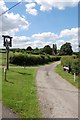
(37, 23)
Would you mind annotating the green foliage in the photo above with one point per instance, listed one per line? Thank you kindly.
(54, 49)
(47, 49)
(29, 48)
(66, 60)
(76, 66)
(72, 62)
(67, 76)
(66, 49)
(29, 59)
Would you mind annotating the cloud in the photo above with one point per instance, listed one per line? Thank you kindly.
(71, 33)
(20, 41)
(45, 36)
(59, 43)
(30, 9)
(46, 5)
(36, 40)
(38, 43)
(11, 23)
(71, 36)
(74, 42)
(2, 6)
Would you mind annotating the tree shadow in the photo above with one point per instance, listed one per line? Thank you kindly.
(23, 73)
(9, 81)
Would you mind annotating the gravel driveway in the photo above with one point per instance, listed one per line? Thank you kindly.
(58, 98)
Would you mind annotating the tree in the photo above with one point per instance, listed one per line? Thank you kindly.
(29, 48)
(66, 49)
(47, 49)
(54, 49)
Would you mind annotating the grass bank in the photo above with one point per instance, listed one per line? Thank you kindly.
(67, 76)
(20, 92)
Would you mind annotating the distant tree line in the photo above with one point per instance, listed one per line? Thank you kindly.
(66, 49)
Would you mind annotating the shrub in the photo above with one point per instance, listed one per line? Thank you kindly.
(72, 62)
(29, 59)
(75, 66)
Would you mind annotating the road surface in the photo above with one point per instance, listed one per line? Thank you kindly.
(6, 112)
(58, 98)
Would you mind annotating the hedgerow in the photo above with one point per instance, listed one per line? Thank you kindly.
(72, 62)
(29, 59)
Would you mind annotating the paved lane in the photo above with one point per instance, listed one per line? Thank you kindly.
(58, 98)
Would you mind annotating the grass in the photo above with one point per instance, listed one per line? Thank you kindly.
(3, 58)
(20, 92)
(67, 76)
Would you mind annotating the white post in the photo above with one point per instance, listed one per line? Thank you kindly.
(74, 77)
(5, 73)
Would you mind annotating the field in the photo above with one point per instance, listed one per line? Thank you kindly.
(3, 58)
(67, 76)
(20, 92)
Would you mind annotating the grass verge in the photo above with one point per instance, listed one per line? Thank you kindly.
(20, 93)
(67, 76)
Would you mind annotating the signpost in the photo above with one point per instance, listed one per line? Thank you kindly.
(7, 43)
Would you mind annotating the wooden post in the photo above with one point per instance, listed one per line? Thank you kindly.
(7, 58)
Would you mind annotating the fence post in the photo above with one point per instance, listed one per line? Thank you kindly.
(5, 70)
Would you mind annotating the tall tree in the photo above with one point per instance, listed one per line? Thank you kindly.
(66, 49)
(29, 48)
(47, 49)
(54, 49)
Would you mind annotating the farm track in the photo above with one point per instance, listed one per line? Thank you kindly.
(58, 98)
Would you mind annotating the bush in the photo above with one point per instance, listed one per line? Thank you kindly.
(29, 59)
(75, 66)
(72, 62)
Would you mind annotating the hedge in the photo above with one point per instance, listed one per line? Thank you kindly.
(72, 62)
(29, 59)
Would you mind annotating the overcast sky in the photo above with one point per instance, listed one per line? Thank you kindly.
(38, 23)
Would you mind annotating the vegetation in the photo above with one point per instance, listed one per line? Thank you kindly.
(20, 92)
(67, 76)
(66, 49)
(54, 49)
(72, 62)
(29, 59)
(29, 48)
(47, 50)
